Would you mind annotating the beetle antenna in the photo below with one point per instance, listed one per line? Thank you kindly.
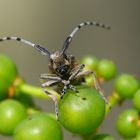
(39, 48)
(88, 23)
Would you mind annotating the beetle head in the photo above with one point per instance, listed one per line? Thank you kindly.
(60, 63)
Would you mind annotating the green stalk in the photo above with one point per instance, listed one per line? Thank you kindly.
(37, 91)
(19, 86)
(88, 136)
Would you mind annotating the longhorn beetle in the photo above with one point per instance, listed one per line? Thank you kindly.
(63, 67)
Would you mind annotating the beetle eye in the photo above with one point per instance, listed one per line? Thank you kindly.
(62, 69)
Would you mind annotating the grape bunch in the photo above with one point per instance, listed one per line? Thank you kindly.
(80, 113)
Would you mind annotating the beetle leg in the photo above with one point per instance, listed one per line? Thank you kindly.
(96, 83)
(55, 101)
(76, 70)
(64, 91)
(51, 79)
(47, 76)
(49, 83)
(73, 88)
(66, 86)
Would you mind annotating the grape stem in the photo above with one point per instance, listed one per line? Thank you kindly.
(22, 87)
(88, 137)
(37, 91)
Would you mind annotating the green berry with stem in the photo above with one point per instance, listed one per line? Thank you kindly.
(91, 63)
(126, 86)
(39, 126)
(8, 73)
(12, 113)
(127, 123)
(82, 112)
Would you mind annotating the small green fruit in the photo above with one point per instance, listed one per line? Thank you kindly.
(126, 86)
(106, 69)
(39, 127)
(90, 62)
(11, 114)
(8, 73)
(127, 123)
(82, 112)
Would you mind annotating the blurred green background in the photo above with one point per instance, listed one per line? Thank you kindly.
(48, 22)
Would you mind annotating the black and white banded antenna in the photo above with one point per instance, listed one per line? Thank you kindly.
(39, 48)
(88, 23)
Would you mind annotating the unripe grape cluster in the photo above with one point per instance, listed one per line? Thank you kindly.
(80, 113)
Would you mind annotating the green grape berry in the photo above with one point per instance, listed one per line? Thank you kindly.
(8, 73)
(90, 62)
(103, 137)
(106, 69)
(82, 112)
(39, 126)
(127, 123)
(11, 114)
(126, 86)
(136, 100)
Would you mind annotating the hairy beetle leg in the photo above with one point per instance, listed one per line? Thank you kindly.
(96, 83)
(55, 101)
